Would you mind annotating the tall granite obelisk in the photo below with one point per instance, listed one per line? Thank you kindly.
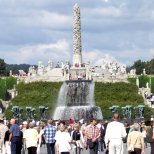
(77, 54)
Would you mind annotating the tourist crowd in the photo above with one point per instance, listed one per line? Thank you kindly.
(72, 137)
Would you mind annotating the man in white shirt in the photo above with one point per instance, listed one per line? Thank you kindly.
(114, 133)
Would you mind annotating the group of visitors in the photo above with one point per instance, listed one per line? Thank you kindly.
(65, 137)
(149, 97)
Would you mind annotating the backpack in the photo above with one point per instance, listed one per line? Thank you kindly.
(102, 132)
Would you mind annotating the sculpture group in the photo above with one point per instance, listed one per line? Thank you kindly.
(127, 111)
(30, 113)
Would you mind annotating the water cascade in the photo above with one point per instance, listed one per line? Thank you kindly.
(76, 101)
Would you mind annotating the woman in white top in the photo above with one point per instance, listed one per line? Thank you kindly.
(144, 135)
(63, 141)
(41, 139)
(135, 140)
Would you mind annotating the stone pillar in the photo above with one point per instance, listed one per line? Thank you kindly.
(10, 72)
(137, 82)
(77, 56)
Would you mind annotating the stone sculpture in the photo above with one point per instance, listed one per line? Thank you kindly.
(30, 113)
(139, 111)
(43, 112)
(114, 108)
(77, 56)
(127, 112)
(17, 112)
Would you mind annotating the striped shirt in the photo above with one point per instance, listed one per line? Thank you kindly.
(49, 133)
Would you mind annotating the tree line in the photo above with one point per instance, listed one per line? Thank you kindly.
(139, 65)
(5, 68)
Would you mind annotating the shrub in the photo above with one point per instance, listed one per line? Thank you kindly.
(34, 95)
(7, 83)
(121, 94)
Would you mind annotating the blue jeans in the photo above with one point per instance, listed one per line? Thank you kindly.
(50, 148)
(14, 145)
(100, 145)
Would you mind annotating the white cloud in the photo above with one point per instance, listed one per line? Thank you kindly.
(45, 19)
(96, 57)
(104, 12)
(32, 54)
(151, 52)
(110, 11)
(152, 14)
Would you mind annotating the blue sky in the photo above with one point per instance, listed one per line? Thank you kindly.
(34, 30)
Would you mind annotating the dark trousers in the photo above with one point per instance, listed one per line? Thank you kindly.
(32, 150)
(65, 153)
(94, 150)
(77, 150)
(15, 145)
(136, 151)
(152, 148)
(50, 148)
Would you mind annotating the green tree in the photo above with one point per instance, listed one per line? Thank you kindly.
(2, 67)
(151, 66)
(139, 66)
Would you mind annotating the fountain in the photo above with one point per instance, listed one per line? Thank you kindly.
(76, 101)
(76, 96)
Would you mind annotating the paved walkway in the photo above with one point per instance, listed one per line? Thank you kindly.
(44, 150)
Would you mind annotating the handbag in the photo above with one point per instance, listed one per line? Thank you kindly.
(124, 139)
(90, 143)
(131, 146)
(79, 144)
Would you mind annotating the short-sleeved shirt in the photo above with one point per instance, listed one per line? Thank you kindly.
(31, 136)
(3, 129)
(63, 142)
(15, 130)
